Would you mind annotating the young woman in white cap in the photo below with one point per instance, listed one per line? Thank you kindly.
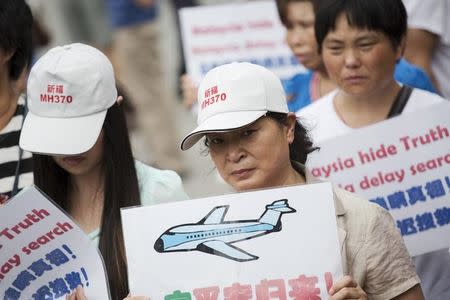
(256, 143)
(82, 155)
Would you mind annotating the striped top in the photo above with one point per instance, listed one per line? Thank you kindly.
(9, 155)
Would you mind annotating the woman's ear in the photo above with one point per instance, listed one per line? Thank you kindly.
(290, 126)
(119, 100)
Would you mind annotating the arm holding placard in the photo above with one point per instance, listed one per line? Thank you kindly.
(376, 261)
(347, 288)
(390, 271)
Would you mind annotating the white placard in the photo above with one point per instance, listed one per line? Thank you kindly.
(219, 34)
(402, 164)
(44, 254)
(256, 243)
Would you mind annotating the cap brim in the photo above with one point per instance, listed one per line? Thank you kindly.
(221, 122)
(60, 136)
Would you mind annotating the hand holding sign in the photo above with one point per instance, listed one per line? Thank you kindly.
(78, 294)
(346, 288)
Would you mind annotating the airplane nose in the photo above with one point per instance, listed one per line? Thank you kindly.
(159, 245)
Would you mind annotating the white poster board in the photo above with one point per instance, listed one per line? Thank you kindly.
(44, 254)
(251, 31)
(403, 164)
(267, 242)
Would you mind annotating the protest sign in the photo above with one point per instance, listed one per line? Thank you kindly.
(403, 164)
(218, 34)
(44, 254)
(261, 244)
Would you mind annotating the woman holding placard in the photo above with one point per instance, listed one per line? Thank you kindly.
(360, 43)
(256, 143)
(83, 161)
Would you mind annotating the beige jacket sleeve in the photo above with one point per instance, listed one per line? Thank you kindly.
(390, 271)
(373, 251)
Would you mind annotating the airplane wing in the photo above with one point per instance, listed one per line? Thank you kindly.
(223, 249)
(215, 216)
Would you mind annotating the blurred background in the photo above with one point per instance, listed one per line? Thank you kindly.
(100, 23)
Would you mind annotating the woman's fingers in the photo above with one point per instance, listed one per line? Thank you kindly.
(349, 293)
(346, 288)
(77, 294)
(346, 281)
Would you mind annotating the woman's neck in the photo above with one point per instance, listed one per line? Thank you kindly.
(362, 110)
(323, 84)
(86, 196)
(8, 100)
(293, 177)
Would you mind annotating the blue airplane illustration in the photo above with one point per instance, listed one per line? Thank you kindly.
(213, 235)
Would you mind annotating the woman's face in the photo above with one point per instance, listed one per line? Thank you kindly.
(253, 157)
(360, 61)
(84, 163)
(300, 33)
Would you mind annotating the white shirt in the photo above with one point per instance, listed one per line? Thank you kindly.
(323, 123)
(433, 16)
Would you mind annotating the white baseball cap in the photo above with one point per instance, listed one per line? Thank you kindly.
(235, 95)
(69, 91)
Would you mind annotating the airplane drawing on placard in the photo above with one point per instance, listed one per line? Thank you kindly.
(214, 235)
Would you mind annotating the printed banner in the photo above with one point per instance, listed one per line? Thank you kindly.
(43, 254)
(402, 164)
(218, 34)
(261, 244)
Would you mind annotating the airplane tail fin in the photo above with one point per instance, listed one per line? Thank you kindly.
(273, 212)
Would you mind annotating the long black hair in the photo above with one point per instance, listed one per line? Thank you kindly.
(121, 189)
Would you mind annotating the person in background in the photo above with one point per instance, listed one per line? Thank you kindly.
(137, 55)
(256, 143)
(360, 42)
(69, 21)
(84, 160)
(428, 40)
(16, 22)
(302, 89)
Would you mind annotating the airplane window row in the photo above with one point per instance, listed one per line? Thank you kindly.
(213, 233)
